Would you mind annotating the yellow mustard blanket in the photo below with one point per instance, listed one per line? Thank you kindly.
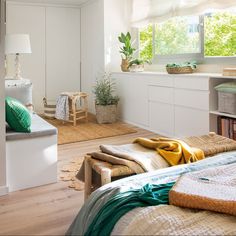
(174, 151)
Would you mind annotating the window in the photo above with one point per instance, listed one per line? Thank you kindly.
(190, 37)
(220, 34)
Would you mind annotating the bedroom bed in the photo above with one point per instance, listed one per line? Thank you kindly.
(161, 219)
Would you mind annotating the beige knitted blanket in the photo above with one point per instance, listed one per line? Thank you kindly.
(172, 220)
(212, 189)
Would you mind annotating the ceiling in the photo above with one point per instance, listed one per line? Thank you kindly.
(64, 2)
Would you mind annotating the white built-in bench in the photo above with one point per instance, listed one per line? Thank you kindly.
(31, 157)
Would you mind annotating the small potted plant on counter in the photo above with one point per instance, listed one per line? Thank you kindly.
(105, 102)
(181, 68)
(137, 65)
(126, 51)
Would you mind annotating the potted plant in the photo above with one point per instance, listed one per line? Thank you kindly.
(105, 102)
(181, 68)
(126, 51)
(137, 65)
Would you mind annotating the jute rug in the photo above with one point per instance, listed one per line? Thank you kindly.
(84, 131)
(69, 171)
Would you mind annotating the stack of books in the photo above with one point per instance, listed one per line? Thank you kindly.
(227, 127)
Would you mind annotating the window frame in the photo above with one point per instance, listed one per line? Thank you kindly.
(199, 57)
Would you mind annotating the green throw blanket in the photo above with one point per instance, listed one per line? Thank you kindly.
(120, 204)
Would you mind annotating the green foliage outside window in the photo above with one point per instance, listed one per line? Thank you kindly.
(220, 34)
(145, 43)
(175, 37)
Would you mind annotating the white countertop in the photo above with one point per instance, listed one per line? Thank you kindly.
(154, 73)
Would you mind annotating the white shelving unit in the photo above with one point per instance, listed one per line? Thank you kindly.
(171, 105)
(222, 114)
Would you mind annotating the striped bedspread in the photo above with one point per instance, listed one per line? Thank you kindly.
(99, 198)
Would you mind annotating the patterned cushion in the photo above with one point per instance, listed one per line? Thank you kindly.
(17, 115)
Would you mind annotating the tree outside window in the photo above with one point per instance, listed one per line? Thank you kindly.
(183, 35)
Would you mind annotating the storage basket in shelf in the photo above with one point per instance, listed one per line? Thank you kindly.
(227, 102)
(49, 109)
(180, 70)
(227, 97)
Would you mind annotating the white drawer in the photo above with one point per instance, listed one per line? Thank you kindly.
(165, 81)
(199, 83)
(192, 98)
(190, 122)
(161, 94)
(161, 118)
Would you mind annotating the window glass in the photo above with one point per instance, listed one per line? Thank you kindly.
(210, 35)
(220, 34)
(178, 35)
(146, 43)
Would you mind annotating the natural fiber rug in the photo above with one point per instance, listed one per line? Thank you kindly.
(69, 171)
(84, 131)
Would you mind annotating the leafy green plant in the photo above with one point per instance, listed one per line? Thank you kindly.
(193, 65)
(138, 61)
(104, 90)
(127, 50)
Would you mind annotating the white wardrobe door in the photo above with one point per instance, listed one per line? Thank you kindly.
(62, 51)
(30, 20)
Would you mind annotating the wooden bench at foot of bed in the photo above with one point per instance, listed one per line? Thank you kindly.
(211, 144)
(105, 170)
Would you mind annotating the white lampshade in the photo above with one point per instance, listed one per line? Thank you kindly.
(17, 44)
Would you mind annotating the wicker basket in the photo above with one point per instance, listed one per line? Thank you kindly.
(180, 70)
(49, 109)
(227, 102)
(106, 114)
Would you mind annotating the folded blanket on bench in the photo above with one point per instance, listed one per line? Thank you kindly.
(211, 189)
(141, 159)
(174, 151)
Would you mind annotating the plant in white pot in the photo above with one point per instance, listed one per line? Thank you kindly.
(105, 102)
(137, 65)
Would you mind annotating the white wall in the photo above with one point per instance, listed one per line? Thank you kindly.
(54, 65)
(92, 47)
(116, 20)
(101, 23)
(29, 20)
(2, 107)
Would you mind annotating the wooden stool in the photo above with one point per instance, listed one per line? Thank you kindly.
(105, 170)
(76, 113)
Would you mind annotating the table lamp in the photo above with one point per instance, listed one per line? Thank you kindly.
(17, 44)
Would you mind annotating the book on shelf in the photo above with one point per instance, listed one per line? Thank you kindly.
(226, 127)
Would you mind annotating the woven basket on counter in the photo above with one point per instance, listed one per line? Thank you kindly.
(179, 70)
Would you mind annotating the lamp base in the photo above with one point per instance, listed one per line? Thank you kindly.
(17, 67)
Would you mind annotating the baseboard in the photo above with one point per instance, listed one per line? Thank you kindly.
(3, 190)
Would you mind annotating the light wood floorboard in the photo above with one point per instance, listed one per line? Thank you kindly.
(49, 210)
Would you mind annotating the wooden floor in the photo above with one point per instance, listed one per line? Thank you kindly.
(49, 210)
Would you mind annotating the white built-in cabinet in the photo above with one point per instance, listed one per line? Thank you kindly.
(54, 65)
(171, 105)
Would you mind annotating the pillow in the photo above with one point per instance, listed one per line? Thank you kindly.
(17, 115)
(22, 92)
(229, 87)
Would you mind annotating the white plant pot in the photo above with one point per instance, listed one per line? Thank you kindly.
(136, 68)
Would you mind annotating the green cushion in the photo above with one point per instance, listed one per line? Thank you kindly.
(17, 115)
(229, 87)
